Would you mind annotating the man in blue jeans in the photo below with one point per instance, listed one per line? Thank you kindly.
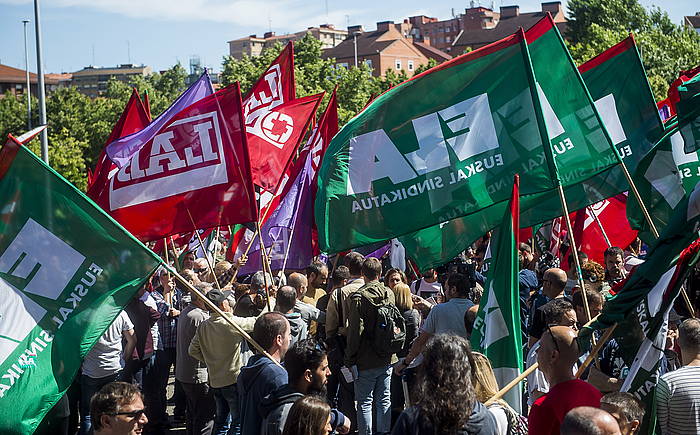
(104, 363)
(373, 371)
(218, 344)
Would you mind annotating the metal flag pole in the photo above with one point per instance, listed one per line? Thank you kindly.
(29, 86)
(40, 85)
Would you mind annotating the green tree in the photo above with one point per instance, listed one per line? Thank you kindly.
(425, 67)
(666, 48)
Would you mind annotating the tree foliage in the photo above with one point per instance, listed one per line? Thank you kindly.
(666, 48)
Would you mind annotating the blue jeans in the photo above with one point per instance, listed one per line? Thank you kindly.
(88, 388)
(373, 387)
(226, 420)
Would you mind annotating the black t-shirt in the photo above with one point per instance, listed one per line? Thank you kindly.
(539, 324)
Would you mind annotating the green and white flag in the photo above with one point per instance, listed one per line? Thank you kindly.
(670, 169)
(441, 145)
(496, 331)
(66, 271)
(641, 307)
(584, 156)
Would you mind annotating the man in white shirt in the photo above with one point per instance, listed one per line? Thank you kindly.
(104, 363)
(428, 286)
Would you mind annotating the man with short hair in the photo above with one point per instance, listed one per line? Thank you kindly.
(678, 392)
(263, 374)
(372, 383)
(614, 265)
(556, 312)
(336, 315)
(286, 300)
(308, 312)
(553, 284)
(445, 318)
(104, 363)
(556, 357)
(307, 369)
(317, 276)
(529, 260)
(118, 409)
(626, 409)
(188, 260)
(218, 345)
(586, 420)
(427, 286)
(595, 305)
(191, 372)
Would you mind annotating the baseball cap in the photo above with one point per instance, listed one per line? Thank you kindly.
(217, 296)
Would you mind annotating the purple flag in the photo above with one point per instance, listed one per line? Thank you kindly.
(379, 253)
(121, 150)
(287, 232)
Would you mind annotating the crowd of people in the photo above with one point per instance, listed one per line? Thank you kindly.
(352, 346)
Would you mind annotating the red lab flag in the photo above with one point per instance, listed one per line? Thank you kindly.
(197, 164)
(275, 87)
(612, 216)
(134, 118)
(323, 133)
(274, 137)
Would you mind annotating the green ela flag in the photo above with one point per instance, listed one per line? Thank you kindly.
(584, 158)
(496, 331)
(66, 271)
(441, 145)
(670, 169)
(641, 307)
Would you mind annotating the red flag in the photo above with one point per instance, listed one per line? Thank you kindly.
(673, 95)
(147, 104)
(275, 87)
(197, 164)
(318, 143)
(134, 118)
(274, 137)
(612, 216)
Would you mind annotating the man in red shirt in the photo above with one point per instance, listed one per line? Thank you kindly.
(558, 353)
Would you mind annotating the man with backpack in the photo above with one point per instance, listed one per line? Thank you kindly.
(376, 331)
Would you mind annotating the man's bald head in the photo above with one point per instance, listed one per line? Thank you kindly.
(553, 282)
(299, 282)
(558, 352)
(586, 420)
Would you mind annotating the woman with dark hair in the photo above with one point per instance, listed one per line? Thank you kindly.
(446, 402)
(394, 276)
(309, 415)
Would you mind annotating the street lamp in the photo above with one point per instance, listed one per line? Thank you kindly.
(26, 70)
(354, 39)
(40, 85)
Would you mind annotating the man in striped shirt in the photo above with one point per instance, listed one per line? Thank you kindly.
(678, 392)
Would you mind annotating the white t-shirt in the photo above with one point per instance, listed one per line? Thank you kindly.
(501, 419)
(426, 289)
(105, 358)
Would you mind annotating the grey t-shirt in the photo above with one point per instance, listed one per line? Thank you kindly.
(105, 358)
(187, 368)
(448, 318)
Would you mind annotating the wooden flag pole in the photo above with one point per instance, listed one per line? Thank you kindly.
(204, 248)
(502, 392)
(596, 349)
(574, 250)
(263, 257)
(177, 254)
(217, 310)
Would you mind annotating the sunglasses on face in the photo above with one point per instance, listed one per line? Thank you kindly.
(199, 270)
(132, 414)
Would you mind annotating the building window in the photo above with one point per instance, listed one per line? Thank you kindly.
(410, 65)
(398, 64)
(448, 39)
(368, 62)
(342, 65)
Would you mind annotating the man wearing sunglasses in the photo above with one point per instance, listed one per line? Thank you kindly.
(117, 409)
(557, 354)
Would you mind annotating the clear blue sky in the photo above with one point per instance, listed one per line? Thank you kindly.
(161, 32)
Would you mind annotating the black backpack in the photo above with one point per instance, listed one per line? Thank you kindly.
(388, 334)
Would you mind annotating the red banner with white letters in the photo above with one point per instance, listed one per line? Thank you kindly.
(194, 173)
